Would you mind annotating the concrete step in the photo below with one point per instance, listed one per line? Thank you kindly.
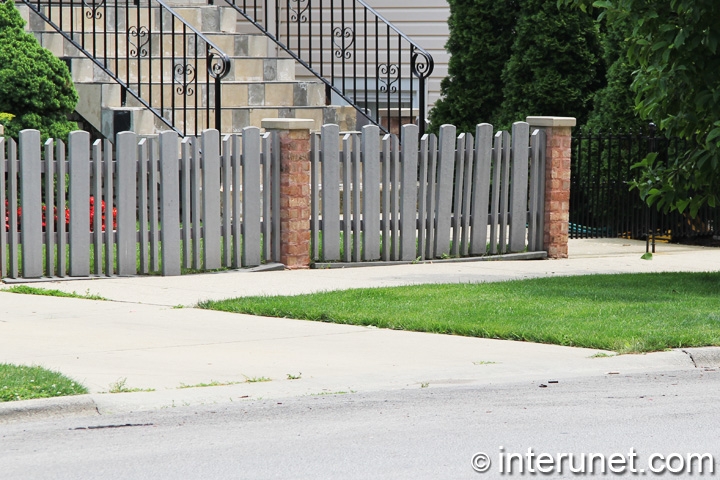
(109, 18)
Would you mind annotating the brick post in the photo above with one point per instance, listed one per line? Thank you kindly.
(294, 141)
(557, 182)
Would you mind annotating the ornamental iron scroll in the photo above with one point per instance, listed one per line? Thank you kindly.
(422, 63)
(184, 76)
(299, 14)
(94, 11)
(388, 74)
(218, 62)
(138, 50)
(340, 39)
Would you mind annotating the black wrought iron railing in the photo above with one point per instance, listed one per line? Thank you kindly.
(360, 56)
(601, 202)
(158, 58)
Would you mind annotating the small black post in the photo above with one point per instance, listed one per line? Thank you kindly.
(421, 118)
(218, 106)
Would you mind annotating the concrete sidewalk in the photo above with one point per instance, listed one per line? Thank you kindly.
(143, 338)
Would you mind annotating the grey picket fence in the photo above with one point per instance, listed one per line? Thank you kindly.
(408, 199)
(207, 203)
(196, 203)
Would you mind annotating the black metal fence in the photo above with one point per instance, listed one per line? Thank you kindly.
(155, 55)
(601, 202)
(359, 55)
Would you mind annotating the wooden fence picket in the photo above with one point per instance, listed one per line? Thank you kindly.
(330, 182)
(519, 186)
(31, 202)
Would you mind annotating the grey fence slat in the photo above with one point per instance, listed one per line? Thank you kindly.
(534, 191)
(408, 189)
(519, 185)
(3, 187)
(226, 200)
(444, 189)
(186, 205)
(395, 196)
(143, 146)
(96, 187)
(61, 230)
(127, 163)
(467, 194)
(31, 201)
(431, 198)
(169, 200)
(422, 196)
(266, 167)
(458, 194)
(505, 192)
(315, 181)
(481, 192)
(109, 206)
(385, 203)
(274, 139)
(13, 266)
(154, 208)
(331, 192)
(356, 222)
(49, 209)
(540, 240)
(250, 194)
(79, 153)
(347, 190)
(236, 202)
(211, 198)
(371, 192)
(495, 205)
(195, 187)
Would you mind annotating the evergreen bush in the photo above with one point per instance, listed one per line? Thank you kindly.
(481, 33)
(35, 86)
(555, 65)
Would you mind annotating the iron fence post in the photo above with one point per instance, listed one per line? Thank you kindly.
(652, 212)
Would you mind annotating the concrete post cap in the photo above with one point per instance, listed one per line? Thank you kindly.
(287, 123)
(551, 121)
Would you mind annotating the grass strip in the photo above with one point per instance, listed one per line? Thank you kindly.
(24, 289)
(629, 313)
(19, 382)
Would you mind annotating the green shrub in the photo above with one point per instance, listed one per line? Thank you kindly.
(556, 65)
(481, 33)
(35, 86)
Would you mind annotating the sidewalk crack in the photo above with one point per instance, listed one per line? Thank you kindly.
(691, 357)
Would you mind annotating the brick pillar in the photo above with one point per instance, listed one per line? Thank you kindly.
(557, 182)
(294, 140)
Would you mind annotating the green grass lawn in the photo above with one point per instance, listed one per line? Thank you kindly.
(18, 382)
(629, 313)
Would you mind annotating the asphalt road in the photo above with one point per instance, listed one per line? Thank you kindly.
(431, 432)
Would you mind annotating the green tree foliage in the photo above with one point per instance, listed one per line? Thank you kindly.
(674, 44)
(35, 86)
(614, 104)
(555, 66)
(481, 33)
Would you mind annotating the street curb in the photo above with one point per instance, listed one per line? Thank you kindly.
(704, 357)
(24, 410)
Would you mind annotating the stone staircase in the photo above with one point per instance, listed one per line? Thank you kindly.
(134, 45)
